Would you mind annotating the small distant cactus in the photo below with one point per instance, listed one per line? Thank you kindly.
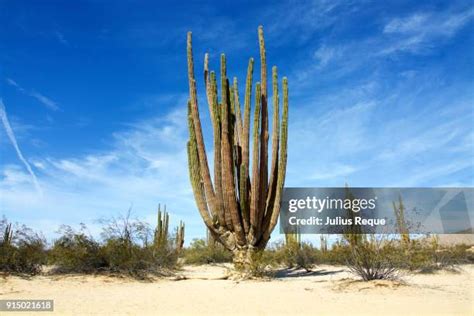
(240, 207)
(161, 231)
(324, 243)
(7, 237)
(161, 238)
(293, 239)
(180, 236)
(401, 223)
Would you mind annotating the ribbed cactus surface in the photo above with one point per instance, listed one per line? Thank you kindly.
(240, 201)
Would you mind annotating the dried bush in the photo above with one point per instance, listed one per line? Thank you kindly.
(127, 247)
(375, 259)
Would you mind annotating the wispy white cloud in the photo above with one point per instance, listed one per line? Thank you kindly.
(409, 24)
(324, 54)
(323, 147)
(333, 171)
(60, 37)
(298, 23)
(11, 136)
(50, 104)
(418, 32)
(45, 100)
(376, 143)
(14, 84)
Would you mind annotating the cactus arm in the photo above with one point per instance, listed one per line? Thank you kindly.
(238, 139)
(263, 61)
(275, 142)
(272, 217)
(221, 165)
(232, 125)
(201, 149)
(208, 87)
(245, 187)
(228, 184)
(195, 173)
(246, 123)
(217, 149)
(238, 113)
(254, 200)
(236, 128)
(244, 197)
(165, 230)
(264, 129)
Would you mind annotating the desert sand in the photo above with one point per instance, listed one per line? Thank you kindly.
(201, 290)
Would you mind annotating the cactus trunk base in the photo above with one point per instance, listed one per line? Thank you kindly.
(244, 259)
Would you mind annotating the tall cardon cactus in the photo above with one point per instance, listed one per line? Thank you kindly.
(240, 202)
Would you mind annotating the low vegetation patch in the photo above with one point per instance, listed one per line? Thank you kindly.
(294, 255)
(22, 251)
(131, 247)
(76, 251)
(125, 249)
(374, 260)
(427, 256)
(202, 252)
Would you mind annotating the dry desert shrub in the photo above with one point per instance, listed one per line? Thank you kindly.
(375, 259)
(22, 251)
(128, 247)
(427, 255)
(202, 252)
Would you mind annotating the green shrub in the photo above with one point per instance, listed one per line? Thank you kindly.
(294, 255)
(306, 257)
(336, 255)
(124, 250)
(75, 251)
(426, 256)
(127, 248)
(260, 263)
(22, 251)
(199, 252)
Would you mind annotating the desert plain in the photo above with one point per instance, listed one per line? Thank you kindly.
(206, 290)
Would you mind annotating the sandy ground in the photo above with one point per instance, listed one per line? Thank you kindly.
(326, 291)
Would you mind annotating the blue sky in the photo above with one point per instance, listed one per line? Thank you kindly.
(94, 97)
